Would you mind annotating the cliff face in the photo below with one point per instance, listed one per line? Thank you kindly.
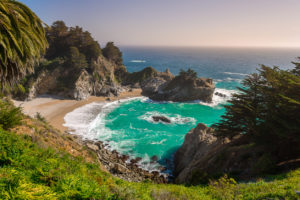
(67, 82)
(204, 156)
(198, 144)
(178, 89)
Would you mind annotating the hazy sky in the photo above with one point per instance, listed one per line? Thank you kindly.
(180, 22)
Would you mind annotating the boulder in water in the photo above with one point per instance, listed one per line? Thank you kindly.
(154, 158)
(220, 94)
(161, 119)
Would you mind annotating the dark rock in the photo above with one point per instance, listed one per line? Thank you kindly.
(155, 173)
(154, 158)
(136, 160)
(161, 119)
(220, 94)
(196, 143)
(124, 158)
(117, 164)
(108, 99)
(178, 89)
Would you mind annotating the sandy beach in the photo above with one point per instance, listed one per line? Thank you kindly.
(54, 109)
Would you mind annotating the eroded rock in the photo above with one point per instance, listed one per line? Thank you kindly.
(161, 119)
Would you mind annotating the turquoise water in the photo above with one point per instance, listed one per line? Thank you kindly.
(139, 135)
(127, 126)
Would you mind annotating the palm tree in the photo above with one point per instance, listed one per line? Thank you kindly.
(22, 41)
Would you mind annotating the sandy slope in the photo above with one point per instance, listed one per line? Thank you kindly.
(54, 109)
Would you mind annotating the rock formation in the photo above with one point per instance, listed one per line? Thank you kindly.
(161, 119)
(117, 164)
(204, 156)
(178, 89)
(197, 143)
(67, 82)
(104, 78)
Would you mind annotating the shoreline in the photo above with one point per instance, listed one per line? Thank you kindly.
(54, 109)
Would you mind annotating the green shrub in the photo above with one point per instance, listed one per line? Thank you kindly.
(224, 188)
(10, 148)
(10, 116)
(39, 117)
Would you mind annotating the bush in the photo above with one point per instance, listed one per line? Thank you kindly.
(10, 148)
(224, 188)
(39, 117)
(10, 116)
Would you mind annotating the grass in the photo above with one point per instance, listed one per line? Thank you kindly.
(30, 172)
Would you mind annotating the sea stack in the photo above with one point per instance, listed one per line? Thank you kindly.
(184, 87)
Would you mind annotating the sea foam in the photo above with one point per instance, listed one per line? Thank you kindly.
(234, 73)
(174, 118)
(138, 61)
(218, 100)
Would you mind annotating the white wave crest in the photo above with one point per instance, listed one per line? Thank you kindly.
(160, 142)
(229, 79)
(174, 118)
(78, 121)
(138, 61)
(84, 120)
(234, 73)
(219, 100)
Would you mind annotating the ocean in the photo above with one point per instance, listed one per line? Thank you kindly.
(127, 126)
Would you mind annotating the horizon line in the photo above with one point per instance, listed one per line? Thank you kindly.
(210, 46)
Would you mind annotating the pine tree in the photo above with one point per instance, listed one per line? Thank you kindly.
(112, 53)
(266, 109)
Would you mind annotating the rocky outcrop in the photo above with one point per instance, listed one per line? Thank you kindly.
(67, 82)
(120, 165)
(137, 78)
(197, 143)
(178, 89)
(161, 119)
(203, 156)
(83, 86)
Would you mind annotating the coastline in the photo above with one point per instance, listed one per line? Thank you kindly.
(54, 109)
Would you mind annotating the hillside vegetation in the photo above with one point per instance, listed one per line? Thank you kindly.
(35, 163)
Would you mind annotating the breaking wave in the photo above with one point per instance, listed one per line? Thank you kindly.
(138, 61)
(175, 119)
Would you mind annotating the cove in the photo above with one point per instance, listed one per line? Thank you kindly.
(128, 127)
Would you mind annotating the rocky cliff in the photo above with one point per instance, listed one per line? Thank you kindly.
(179, 89)
(203, 156)
(102, 79)
(198, 144)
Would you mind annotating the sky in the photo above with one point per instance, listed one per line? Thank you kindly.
(230, 23)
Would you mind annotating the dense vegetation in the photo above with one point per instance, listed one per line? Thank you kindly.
(77, 46)
(189, 73)
(71, 43)
(22, 41)
(266, 112)
(71, 50)
(113, 53)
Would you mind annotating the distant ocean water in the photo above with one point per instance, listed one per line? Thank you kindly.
(127, 126)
